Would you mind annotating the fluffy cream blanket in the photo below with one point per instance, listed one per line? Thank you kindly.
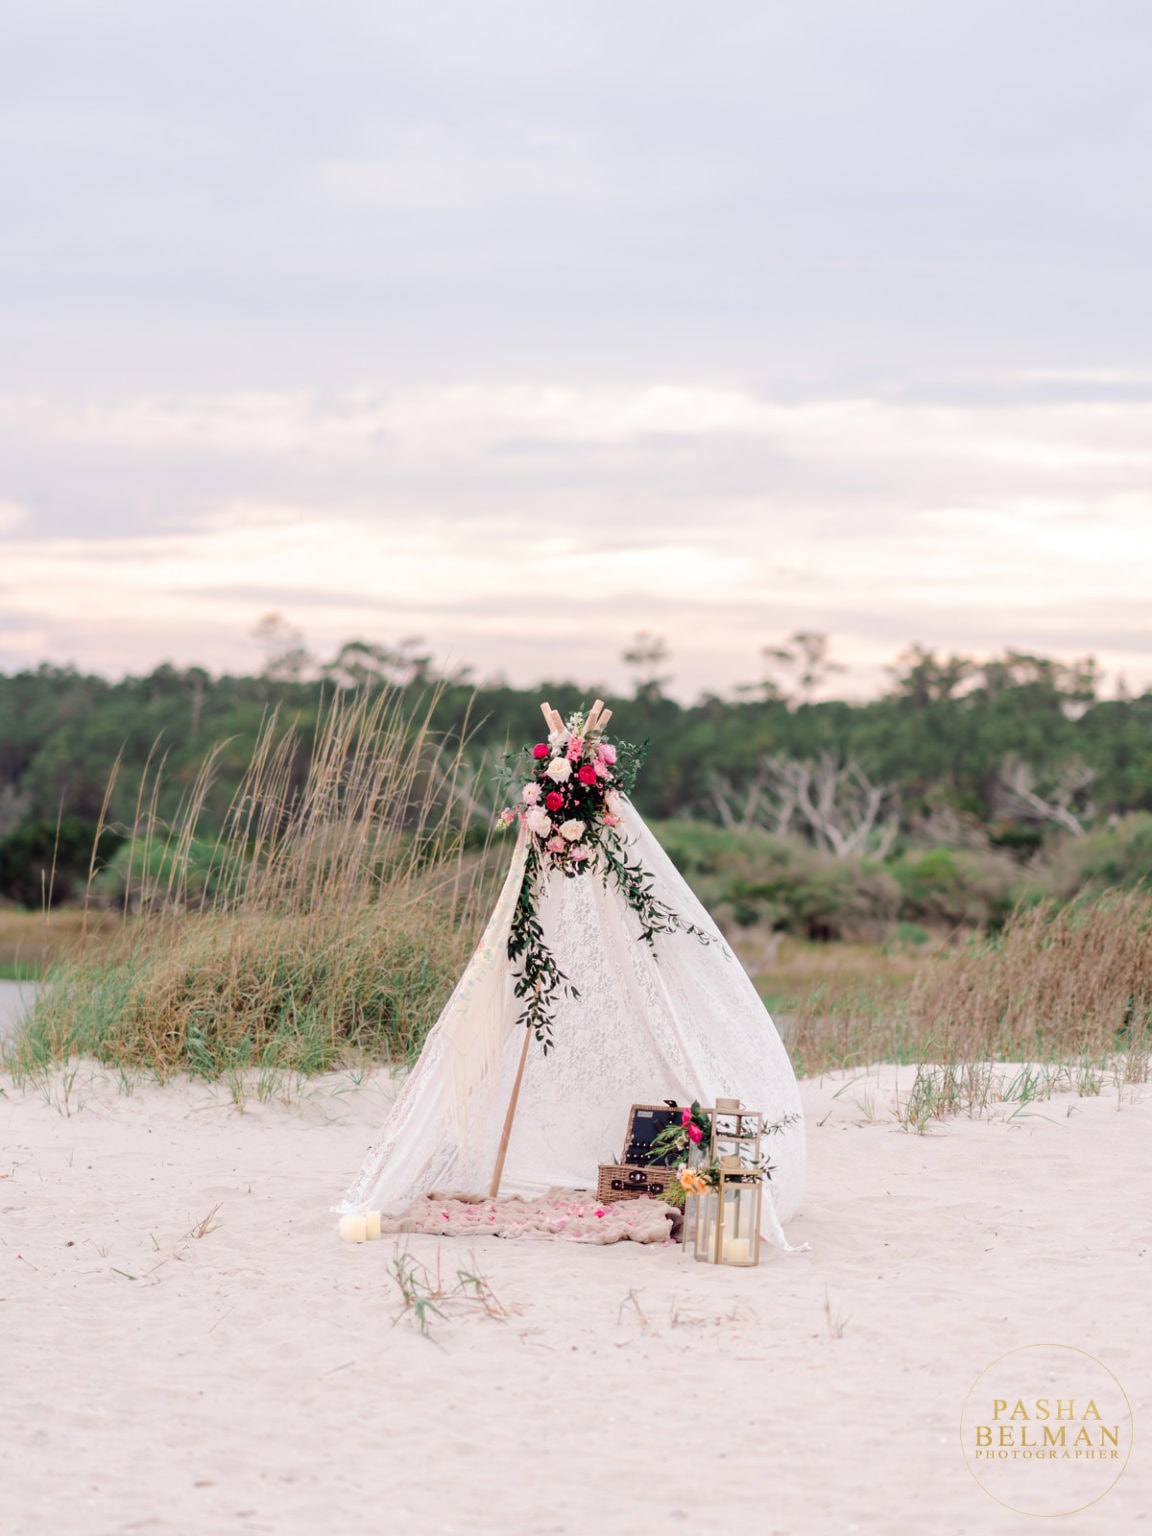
(562, 1213)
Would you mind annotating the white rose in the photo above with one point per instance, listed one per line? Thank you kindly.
(559, 770)
(572, 830)
(538, 821)
(530, 794)
(613, 802)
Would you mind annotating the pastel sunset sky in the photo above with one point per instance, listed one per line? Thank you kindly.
(521, 327)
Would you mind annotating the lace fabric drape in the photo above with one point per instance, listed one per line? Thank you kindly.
(682, 1023)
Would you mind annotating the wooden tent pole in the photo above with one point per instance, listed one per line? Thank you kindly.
(498, 1172)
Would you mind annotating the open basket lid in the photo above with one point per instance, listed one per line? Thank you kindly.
(645, 1123)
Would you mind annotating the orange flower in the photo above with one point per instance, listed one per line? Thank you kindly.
(690, 1181)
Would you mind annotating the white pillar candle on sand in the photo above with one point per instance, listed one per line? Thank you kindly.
(737, 1250)
(373, 1221)
(353, 1229)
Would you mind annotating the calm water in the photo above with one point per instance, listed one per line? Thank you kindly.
(16, 997)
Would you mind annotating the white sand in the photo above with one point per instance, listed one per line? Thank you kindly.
(251, 1380)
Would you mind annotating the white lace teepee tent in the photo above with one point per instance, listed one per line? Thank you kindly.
(673, 1018)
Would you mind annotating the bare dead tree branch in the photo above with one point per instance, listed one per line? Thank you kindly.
(839, 804)
(759, 808)
(1014, 795)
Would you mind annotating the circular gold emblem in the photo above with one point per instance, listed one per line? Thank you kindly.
(1046, 1429)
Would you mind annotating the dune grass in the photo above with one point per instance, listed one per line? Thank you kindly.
(1064, 991)
(328, 925)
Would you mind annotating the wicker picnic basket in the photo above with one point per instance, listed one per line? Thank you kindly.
(632, 1179)
(629, 1181)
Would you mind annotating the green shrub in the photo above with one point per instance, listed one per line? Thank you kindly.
(45, 863)
(755, 878)
(959, 887)
(143, 872)
(1116, 855)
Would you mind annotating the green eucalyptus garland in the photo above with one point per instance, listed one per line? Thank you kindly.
(585, 791)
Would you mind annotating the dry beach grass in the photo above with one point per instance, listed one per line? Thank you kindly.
(1065, 990)
(328, 921)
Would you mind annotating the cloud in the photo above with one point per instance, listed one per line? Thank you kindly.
(718, 515)
(11, 516)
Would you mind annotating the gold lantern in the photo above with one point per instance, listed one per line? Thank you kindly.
(736, 1133)
(728, 1212)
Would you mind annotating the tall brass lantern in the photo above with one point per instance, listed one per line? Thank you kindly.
(728, 1213)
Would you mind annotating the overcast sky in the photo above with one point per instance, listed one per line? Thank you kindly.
(525, 326)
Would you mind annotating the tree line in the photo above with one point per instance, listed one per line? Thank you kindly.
(1002, 748)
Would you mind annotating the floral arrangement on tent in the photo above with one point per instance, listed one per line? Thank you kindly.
(570, 796)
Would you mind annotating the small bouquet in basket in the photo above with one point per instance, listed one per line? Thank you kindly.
(684, 1142)
(699, 1171)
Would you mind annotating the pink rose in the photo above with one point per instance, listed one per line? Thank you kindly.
(695, 1133)
(586, 775)
(554, 800)
(556, 845)
(606, 752)
(540, 749)
(686, 1117)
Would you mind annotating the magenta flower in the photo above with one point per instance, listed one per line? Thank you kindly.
(541, 749)
(695, 1133)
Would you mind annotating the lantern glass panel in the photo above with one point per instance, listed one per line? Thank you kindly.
(740, 1220)
(707, 1226)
